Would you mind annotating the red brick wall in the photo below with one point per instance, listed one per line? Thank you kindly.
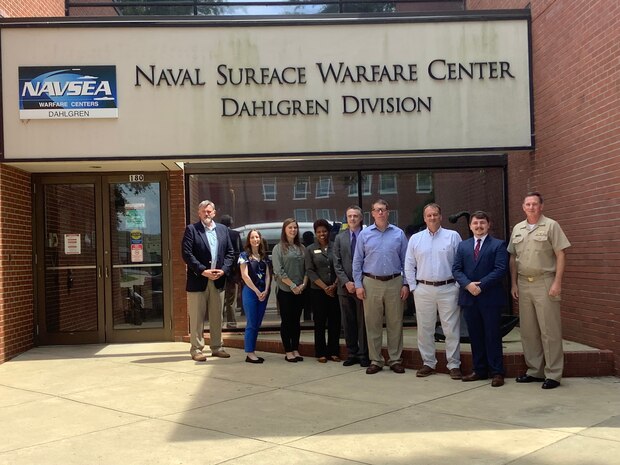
(576, 164)
(29, 8)
(180, 320)
(16, 284)
(91, 10)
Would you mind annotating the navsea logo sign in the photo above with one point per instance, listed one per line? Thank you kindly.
(67, 92)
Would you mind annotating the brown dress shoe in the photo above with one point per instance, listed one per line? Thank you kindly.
(455, 373)
(497, 381)
(221, 354)
(397, 368)
(372, 369)
(473, 376)
(199, 357)
(425, 371)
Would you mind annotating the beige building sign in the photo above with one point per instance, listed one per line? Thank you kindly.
(189, 92)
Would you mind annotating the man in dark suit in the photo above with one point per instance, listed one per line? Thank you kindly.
(480, 265)
(351, 308)
(230, 289)
(208, 253)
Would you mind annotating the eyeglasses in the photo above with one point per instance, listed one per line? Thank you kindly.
(379, 210)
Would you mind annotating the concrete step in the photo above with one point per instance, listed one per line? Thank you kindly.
(579, 360)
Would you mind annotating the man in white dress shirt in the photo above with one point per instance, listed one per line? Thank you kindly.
(428, 270)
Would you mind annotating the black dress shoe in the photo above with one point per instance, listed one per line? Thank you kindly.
(299, 358)
(292, 360)
(364, 363)
(251, 360)
(350, 362)
(550, 384)
(529, 379)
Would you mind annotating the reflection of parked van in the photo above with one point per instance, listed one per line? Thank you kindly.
(271, 231)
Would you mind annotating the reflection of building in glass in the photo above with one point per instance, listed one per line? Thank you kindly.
(254, 197)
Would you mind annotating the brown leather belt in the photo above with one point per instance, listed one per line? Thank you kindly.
(435, 283)
(382, 278)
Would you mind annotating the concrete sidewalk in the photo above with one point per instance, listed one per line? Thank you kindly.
(150, 404)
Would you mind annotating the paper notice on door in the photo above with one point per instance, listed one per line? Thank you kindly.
(135, 215)
(73, 244)
(137, 253)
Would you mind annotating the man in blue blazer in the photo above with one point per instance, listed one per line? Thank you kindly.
(479, 267)
(208, 253)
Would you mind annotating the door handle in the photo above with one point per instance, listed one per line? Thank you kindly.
(107, 272)
(99, 271)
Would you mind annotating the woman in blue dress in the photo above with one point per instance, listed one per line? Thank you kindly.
(254, 267)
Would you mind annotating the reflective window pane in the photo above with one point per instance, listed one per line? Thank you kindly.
(70, 258)
(136, 252)
(251, 201)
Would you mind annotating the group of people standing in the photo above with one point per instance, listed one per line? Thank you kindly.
(325, 267)
(363, 278)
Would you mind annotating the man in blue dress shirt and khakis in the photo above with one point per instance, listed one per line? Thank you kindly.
(378, 274)
(428, 269)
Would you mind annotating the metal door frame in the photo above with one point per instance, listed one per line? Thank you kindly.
(138, 334)
(105, 332)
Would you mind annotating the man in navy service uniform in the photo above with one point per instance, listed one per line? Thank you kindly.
(537, 261)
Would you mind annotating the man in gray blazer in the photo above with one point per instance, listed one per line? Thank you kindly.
(351, 307)
(208, 253)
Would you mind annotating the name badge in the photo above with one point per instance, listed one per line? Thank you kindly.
(317, 251)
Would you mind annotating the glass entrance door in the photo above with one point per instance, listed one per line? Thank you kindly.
(101, 259)
(68, 262)
(135, 262)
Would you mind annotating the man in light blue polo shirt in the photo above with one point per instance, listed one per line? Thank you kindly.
(378, 266)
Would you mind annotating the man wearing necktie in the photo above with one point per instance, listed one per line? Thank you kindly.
(351, 308)
(479, 267)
